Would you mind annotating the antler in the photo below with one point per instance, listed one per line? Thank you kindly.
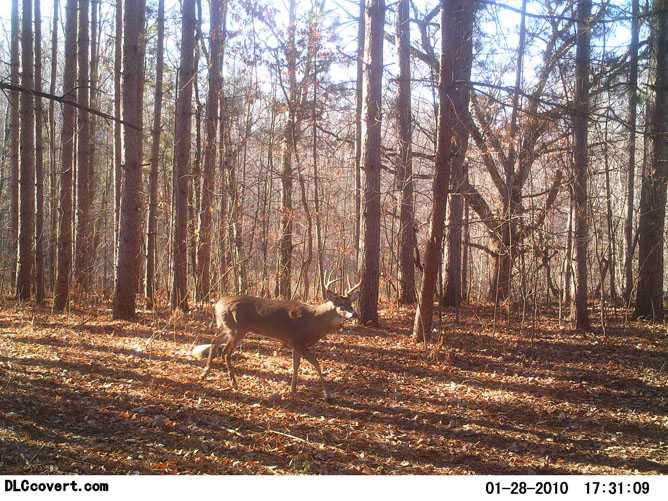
(329, 282)
(353, 288)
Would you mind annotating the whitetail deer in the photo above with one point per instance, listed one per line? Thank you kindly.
(298, 326)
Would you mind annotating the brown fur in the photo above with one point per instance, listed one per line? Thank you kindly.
(296, 325)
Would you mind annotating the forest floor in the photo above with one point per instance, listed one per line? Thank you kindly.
(83, 394)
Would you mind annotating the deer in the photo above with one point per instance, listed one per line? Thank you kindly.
(296, 325)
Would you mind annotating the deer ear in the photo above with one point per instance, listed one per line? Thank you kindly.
(354, 295)
(330, 296)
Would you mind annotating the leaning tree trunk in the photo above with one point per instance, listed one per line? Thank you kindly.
(26, 254)
(456, 59)
(129, 226)
(151, 226)
(62, 288)
(405, 169)
(207, 180)
(370, 269)
(179, 296)
(582, 57)
(39, 162)
(649, 298)
(83, 235)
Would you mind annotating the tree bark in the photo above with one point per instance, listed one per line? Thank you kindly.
(289, 144)
(129, 225)
(223, 200)
(407, 239)
(359, 100)
(370, 271)
(118, 129)
(217, 34)
(151, 225)
(179, 296)
(630, 176)
(649, 298)
(61, 295)
(455, 65)
(53, 223)
(26, 254)
(82, 232)
(580, 126)
(14, 128)
(39, 162)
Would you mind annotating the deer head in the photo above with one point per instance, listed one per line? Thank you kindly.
(343, 304)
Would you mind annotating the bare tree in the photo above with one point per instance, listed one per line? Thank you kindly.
(455, 70)
(14, 128)
(129, 226)
(580, 126)
(62, 289)
(359, 102)
(151, 226)
(370, 269)
(118, 128)
(216, 34)
(82, 231)
(407, 239)
(26, 254)
(39, 162)
(53, 223)
(630, 175)
(649, 297)
(289, 145)
(179, 296)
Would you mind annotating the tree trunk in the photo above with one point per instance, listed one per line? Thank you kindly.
(93, 218)
(502, 265)
(568, 260)
(179, 296)
(581, 115)
(217, 34)
(649, 298)
(359, 100)
(118, 129)
(407, 240)
(61, 294)
(53, 223)
(26, 254)
(630, 176)
(129, 225)
(223, 215)
(289, 145)
(14, 128)
(151, 225)
(466, 252)
(82, 232)
(370, 270)
(455, 65)
(39, 162)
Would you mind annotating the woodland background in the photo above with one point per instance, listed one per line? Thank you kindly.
(493, 172)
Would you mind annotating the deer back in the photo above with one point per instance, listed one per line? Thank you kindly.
(290, 322)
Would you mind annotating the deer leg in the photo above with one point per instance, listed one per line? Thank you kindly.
(215, 345)
(296, 358)
(227, 353)
(314, 362)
